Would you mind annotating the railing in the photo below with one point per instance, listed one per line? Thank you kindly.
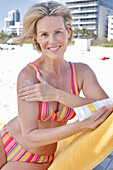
(81, 3)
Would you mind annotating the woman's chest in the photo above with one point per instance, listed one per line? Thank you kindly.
(64, 83)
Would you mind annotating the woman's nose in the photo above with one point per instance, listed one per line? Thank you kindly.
(52, 38)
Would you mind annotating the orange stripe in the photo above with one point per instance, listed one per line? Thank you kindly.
(76, 82)
(34, 67)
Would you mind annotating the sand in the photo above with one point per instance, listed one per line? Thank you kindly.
(12, 61)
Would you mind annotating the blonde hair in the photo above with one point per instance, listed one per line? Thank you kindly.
(37, 12)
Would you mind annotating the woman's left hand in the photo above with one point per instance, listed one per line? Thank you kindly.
(42, 91)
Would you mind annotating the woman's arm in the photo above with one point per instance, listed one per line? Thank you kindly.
(87, 81)
(42, 137)
(28, 115)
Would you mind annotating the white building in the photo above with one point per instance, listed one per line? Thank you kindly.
(12, 23)
(91, 14)
(110, 27)
(17, 28)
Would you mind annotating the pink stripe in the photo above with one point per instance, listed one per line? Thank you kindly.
(9, 147)
(40, 110)
(56, 117)
(72, 73)
(34, 159)
(73, 115)
(30, 158)
(7, 142)
(9, 139)
(35, 67)
(44, 110)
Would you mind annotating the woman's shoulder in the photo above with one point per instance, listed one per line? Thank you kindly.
(83, 70)
(81, 66)
(27, 76)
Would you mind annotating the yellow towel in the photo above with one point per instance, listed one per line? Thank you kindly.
(2, 124)
(85, 150)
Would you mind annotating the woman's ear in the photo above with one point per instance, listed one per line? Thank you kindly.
(69, 32)
(35, 38)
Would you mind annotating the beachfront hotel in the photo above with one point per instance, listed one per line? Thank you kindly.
(91, 14)
(110, 27)
(12, 23)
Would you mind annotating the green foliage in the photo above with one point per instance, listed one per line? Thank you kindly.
(84, 33)
(4, 37)
(108, 45)
(76, 32)
(13, 35)
(103, 42)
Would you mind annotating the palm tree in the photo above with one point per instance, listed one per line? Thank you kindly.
(76, 32)
(84, 33)
(91, 34)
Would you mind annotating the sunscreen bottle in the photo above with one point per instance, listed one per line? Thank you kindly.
(86, 111)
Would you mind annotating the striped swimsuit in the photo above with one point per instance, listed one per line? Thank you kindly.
(14, 151)
(46, 112)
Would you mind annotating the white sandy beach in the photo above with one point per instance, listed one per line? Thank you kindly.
(12, 61)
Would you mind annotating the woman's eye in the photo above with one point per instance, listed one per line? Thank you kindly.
(58, 32)
(44, 35)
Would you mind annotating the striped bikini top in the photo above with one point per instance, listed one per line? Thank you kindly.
(46, 112)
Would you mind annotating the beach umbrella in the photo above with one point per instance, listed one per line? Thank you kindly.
(10, 41)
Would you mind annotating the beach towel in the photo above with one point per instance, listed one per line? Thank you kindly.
(1, 125)
(85, 150)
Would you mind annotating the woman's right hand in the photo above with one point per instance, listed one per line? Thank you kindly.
(96, 119)
(42, 91)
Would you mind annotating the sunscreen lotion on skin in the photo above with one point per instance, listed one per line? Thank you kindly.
(86, 111)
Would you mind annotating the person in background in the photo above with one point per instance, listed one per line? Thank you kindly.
(48, 90)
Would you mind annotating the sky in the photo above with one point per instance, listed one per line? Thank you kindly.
(8, 5)
(21, 5)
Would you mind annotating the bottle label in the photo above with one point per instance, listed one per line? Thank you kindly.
(86, 111)
(92, 108)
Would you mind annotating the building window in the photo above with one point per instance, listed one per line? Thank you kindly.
(82, 3)
(89, 20)
(88, 26)
(88, 8)
(73, 9)
(75, 20)
(84, 14)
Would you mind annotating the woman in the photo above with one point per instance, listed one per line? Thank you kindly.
(30, 140)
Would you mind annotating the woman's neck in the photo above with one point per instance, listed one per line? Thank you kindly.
(53, 65)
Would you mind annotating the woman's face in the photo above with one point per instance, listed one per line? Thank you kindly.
(52, 36)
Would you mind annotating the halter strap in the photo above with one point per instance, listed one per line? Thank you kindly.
(35, 67)
(75, 88)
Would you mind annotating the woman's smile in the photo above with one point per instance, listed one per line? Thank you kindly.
(54, 49)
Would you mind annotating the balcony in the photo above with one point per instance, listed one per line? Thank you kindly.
(85, 16)
(85, 11)
(82, 4)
